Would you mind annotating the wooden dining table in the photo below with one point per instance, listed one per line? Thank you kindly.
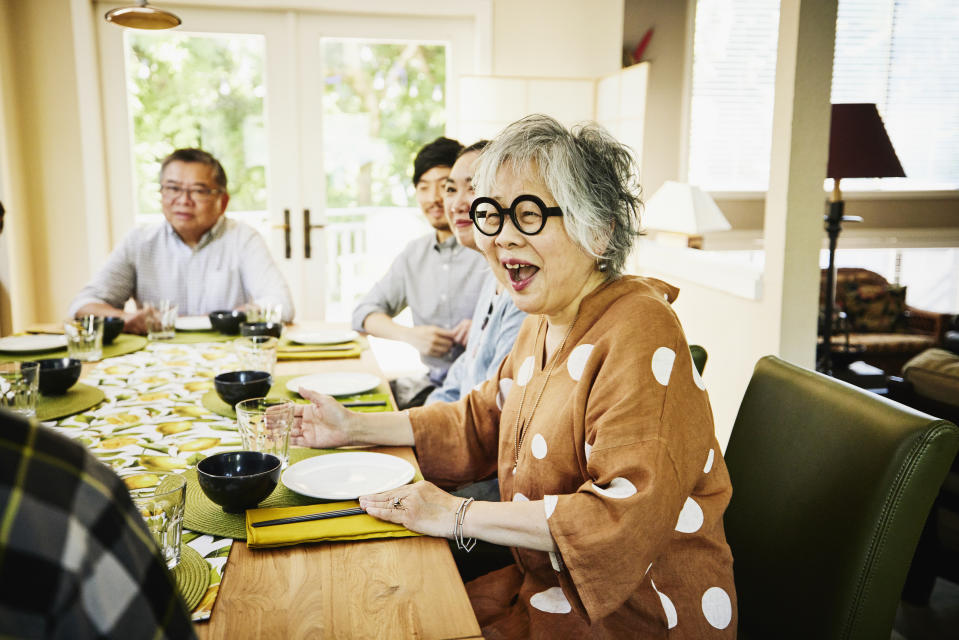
(387, 588)
(392, 588)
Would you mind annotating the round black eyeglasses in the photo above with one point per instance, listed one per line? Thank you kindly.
(527, 212)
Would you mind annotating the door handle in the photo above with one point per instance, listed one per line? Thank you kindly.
(307, 249)
(286, 232)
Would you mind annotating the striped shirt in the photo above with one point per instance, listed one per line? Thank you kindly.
(439, 281)
(229, 267)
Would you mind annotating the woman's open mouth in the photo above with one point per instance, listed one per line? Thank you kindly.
(520, 273)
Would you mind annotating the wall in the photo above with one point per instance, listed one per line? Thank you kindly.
(557, 38)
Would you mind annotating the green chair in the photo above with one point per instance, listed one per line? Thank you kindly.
(831, 487)
(699, 357)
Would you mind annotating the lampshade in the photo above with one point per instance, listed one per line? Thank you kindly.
(682, 208)
(142, 16)
(859, 146)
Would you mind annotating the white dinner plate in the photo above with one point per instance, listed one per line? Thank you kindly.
(348, 475)
(302, 336)
(335, 384)
(25, 344)
(193, 323)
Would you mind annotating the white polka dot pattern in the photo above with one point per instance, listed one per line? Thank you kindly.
(551, 601)
(709, 461)
(663, 359)
(717, 607)
(618, 488)
(549, 505)
(690, 518)
(525, 371)
(538, 446)
(519, 497)
(504, 386)
(589, 450)
(576, 362)
(668, 607)
(698, 379)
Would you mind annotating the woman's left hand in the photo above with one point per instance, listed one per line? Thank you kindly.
(422, 507)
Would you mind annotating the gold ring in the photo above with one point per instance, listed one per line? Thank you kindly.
(397, 503)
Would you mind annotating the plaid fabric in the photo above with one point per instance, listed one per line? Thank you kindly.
(76, 559)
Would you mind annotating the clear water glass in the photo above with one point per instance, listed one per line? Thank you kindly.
(84, 338)
(256, 353)
(265, 424)
(161, 320)
(162, 507)
(19, 387)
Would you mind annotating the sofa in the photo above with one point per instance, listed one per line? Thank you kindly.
(874, 324)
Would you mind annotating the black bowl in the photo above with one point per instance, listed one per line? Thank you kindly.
(227, 322)
(112, 326)
(237, 386)
(238, 480)
(261, 329)
(56, 375)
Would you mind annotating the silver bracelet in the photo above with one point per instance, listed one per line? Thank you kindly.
(465, 545)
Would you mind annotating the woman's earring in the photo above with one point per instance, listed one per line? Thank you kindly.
(602, 265)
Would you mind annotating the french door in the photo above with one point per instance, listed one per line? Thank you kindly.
(315, 117)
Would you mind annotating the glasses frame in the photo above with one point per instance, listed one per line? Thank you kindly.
(196, 194)
(511, 211)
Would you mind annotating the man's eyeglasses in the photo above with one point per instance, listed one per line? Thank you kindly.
(171, 192)
(527, 212)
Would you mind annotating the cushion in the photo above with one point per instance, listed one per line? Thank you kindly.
(871, 307)
(934, 374)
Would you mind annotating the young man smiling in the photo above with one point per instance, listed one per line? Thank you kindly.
(436, 277)
(198, 259)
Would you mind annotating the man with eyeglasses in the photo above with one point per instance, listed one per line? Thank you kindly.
(198, 258)
(439, 279)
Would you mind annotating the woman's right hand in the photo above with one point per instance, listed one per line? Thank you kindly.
(324, 423)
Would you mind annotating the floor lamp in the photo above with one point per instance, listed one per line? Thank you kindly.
(859, 147)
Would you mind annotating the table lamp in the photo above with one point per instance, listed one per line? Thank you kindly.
(859, 147)
(680, 209)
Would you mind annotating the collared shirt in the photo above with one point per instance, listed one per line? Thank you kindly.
(439, 281)
(229, 267)
(496, 321)
(76, 558)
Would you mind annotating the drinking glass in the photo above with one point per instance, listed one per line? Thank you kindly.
(18, 387)
(262, 312)
(84, 338)
(265, 424)
(161, 320)
(162, 508)
(256, 353)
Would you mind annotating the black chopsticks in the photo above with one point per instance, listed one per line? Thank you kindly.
(355, 511)
(366, 403)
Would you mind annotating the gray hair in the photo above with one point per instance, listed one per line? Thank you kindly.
(593, 178)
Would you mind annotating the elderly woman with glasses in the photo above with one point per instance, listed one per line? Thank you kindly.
(597, 425)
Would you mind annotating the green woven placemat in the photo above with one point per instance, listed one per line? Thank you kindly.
(192, 576)
(213, 402)
(193, 337)
(78, 398)
(123, 344)
(205, 516)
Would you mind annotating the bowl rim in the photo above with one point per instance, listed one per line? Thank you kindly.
(217, 378)
(199, 471)
(73, 362)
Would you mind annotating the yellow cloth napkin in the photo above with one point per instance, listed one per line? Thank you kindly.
(287, 353)
(361, 527)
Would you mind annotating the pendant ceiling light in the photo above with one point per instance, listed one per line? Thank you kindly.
(142, 17)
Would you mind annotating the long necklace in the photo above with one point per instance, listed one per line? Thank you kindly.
(521, 432)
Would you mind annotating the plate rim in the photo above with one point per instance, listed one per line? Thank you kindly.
(339, 454)
(204, 328)
(61, 341)
(291, 389)
(291, 336)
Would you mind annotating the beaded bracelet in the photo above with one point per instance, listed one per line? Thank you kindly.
(465, 545)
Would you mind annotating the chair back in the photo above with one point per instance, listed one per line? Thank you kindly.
(699, 357)
(831, 487)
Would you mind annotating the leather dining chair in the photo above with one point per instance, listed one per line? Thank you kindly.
(831, 487)
(699, 357)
